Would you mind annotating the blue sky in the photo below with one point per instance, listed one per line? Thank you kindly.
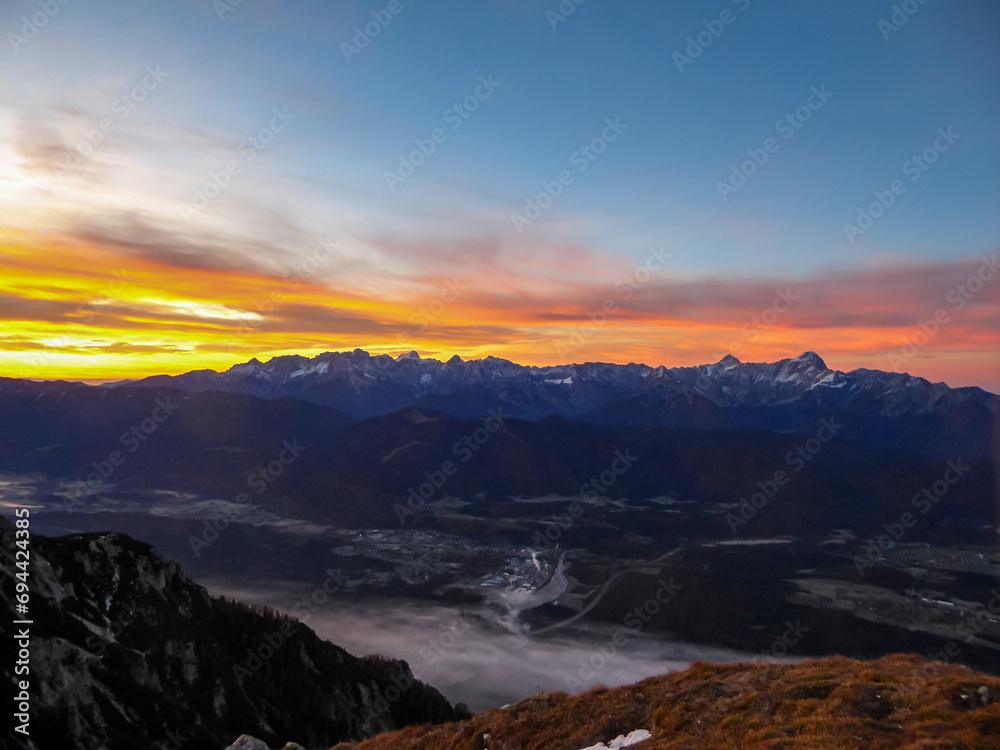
(657, 184)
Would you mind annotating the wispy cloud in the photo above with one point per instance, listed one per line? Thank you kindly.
(198, 303)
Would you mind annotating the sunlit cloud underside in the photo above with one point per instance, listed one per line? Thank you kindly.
(72, 309)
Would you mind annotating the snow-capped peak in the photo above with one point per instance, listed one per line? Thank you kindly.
(810, 359)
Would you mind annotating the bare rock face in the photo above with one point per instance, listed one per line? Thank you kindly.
(127, 652)
(246, 742)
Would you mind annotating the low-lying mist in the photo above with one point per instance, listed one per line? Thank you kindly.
(461, 652)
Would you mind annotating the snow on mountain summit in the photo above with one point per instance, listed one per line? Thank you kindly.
(787, 395)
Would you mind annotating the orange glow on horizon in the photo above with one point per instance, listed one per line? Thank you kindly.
(79, 312)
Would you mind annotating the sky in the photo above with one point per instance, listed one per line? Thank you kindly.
(190, 184)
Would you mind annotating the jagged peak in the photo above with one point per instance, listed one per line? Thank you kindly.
(254, 362)
(811, 359)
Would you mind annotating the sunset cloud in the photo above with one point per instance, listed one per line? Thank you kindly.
(85, 307)
(299, 246)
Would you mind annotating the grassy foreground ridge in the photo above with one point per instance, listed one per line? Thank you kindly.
(898, 701)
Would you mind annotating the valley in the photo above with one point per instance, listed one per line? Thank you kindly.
(502, 556)
(565, 600)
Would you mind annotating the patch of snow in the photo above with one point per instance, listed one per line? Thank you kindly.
(563, 381)
(633, 738)
(425, 378)
(115, 580)
(320, 368)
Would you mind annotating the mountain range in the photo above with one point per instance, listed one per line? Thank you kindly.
(859, 445)
(882, 409)
(82, 444)
(710, 462)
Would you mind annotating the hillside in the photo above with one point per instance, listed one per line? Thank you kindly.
(356, 474)
(129, 653)
(836, 703)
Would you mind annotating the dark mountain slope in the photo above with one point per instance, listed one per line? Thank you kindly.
(311, 462)
(127, 652)
(881, 409)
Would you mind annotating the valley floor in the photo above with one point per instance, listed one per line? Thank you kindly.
(480, 606)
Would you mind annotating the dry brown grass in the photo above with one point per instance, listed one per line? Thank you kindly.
(895, 702)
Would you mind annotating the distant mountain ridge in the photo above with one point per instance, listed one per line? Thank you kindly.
(354, 474)
(883, 409)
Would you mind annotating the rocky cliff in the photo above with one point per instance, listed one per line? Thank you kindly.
(126, 653)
